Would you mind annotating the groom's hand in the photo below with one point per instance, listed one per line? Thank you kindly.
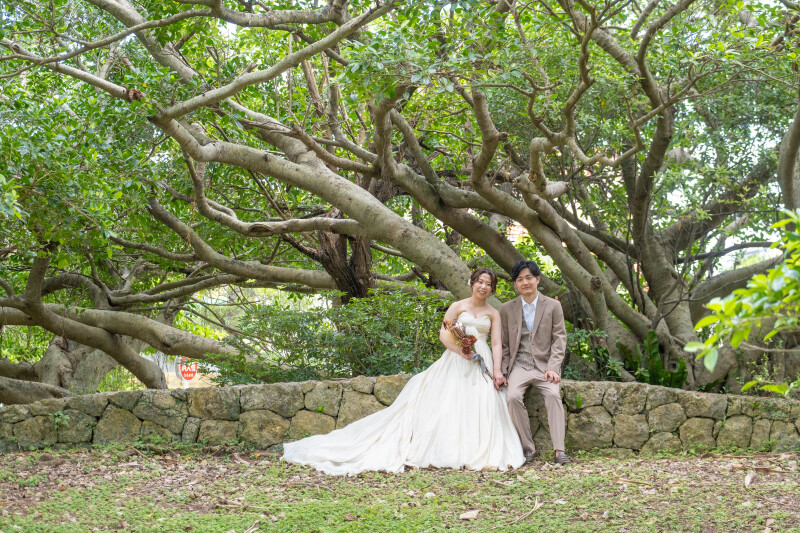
(499, 380)
(552, 377)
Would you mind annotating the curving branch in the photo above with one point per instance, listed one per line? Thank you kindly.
(287, 62)
(334, 11)
(166, 56)
(724, 251)
(43, 316)
(266, 229)
(645, 14)
(113, 89)
(723, 284)
(247, 269)
(146, 25)
(681, 234)
(787, 164)
(75, 281)
(166, 254)
(18, 391)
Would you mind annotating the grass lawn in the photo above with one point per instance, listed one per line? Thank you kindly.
(152, 488)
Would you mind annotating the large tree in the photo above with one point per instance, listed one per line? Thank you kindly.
(158, 148)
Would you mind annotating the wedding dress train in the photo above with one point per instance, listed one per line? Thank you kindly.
(449, 416)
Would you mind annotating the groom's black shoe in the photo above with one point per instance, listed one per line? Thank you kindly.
(562, 459)
(530, 456)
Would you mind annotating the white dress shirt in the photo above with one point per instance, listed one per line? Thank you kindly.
(529, 311)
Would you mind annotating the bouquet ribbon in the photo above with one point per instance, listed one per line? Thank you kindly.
(478, 359)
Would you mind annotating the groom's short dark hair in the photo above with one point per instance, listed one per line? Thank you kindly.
(519, 266)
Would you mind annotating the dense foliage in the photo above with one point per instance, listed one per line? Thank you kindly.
(768, 308)
(386, 333)
(155, 151)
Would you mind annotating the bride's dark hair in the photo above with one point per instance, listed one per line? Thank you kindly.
(478, 272)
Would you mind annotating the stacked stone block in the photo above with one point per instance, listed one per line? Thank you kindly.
(623, 417)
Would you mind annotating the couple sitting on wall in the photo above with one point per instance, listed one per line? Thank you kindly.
(456, 414)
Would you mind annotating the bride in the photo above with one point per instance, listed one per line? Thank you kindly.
(450, 415)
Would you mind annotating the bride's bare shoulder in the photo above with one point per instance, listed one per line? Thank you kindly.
(460, 305)
(456, 308)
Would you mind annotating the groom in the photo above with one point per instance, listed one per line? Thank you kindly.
(534, 341)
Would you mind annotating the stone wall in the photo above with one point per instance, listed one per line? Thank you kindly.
(622, 416)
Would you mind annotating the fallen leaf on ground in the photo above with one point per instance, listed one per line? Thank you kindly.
(536, 506)
(765, 470)
(469, 515)
(622, 480)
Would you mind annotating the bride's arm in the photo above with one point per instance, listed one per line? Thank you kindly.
(497, 342)
(444, 336)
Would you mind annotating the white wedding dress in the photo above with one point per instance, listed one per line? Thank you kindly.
(448, 416)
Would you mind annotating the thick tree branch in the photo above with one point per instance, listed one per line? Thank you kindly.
(266, 229)
(787, 164)
(17, 391)
(113, 89)
(247, 269)
(683, 233)
(723, 284)
(287, 62)
(332, 12)
(107, 40)
(22, 370)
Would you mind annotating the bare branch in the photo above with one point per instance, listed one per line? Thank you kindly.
(22, 370)
(63, 281)
(723, 284)
(111, 88)
(184, 258)
(289, 61)
(724, 251)
(7, 287)
(333, 12)
(643, 17)
(267, 229)
(247, 269)
(108, 40)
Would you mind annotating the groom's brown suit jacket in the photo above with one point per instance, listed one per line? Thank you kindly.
(549, 341)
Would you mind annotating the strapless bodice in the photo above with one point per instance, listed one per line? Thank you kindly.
(473, 325)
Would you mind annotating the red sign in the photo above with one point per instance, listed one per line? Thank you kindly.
(188, 368)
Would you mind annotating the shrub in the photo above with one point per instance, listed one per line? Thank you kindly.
(387, 333)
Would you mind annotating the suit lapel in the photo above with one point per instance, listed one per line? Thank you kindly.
(516, 314)
(537, 318)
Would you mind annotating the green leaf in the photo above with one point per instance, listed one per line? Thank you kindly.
(710, 359)
(694, 347)
(706, 321)
(749, 385)
(779, 388)
(738, 336)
